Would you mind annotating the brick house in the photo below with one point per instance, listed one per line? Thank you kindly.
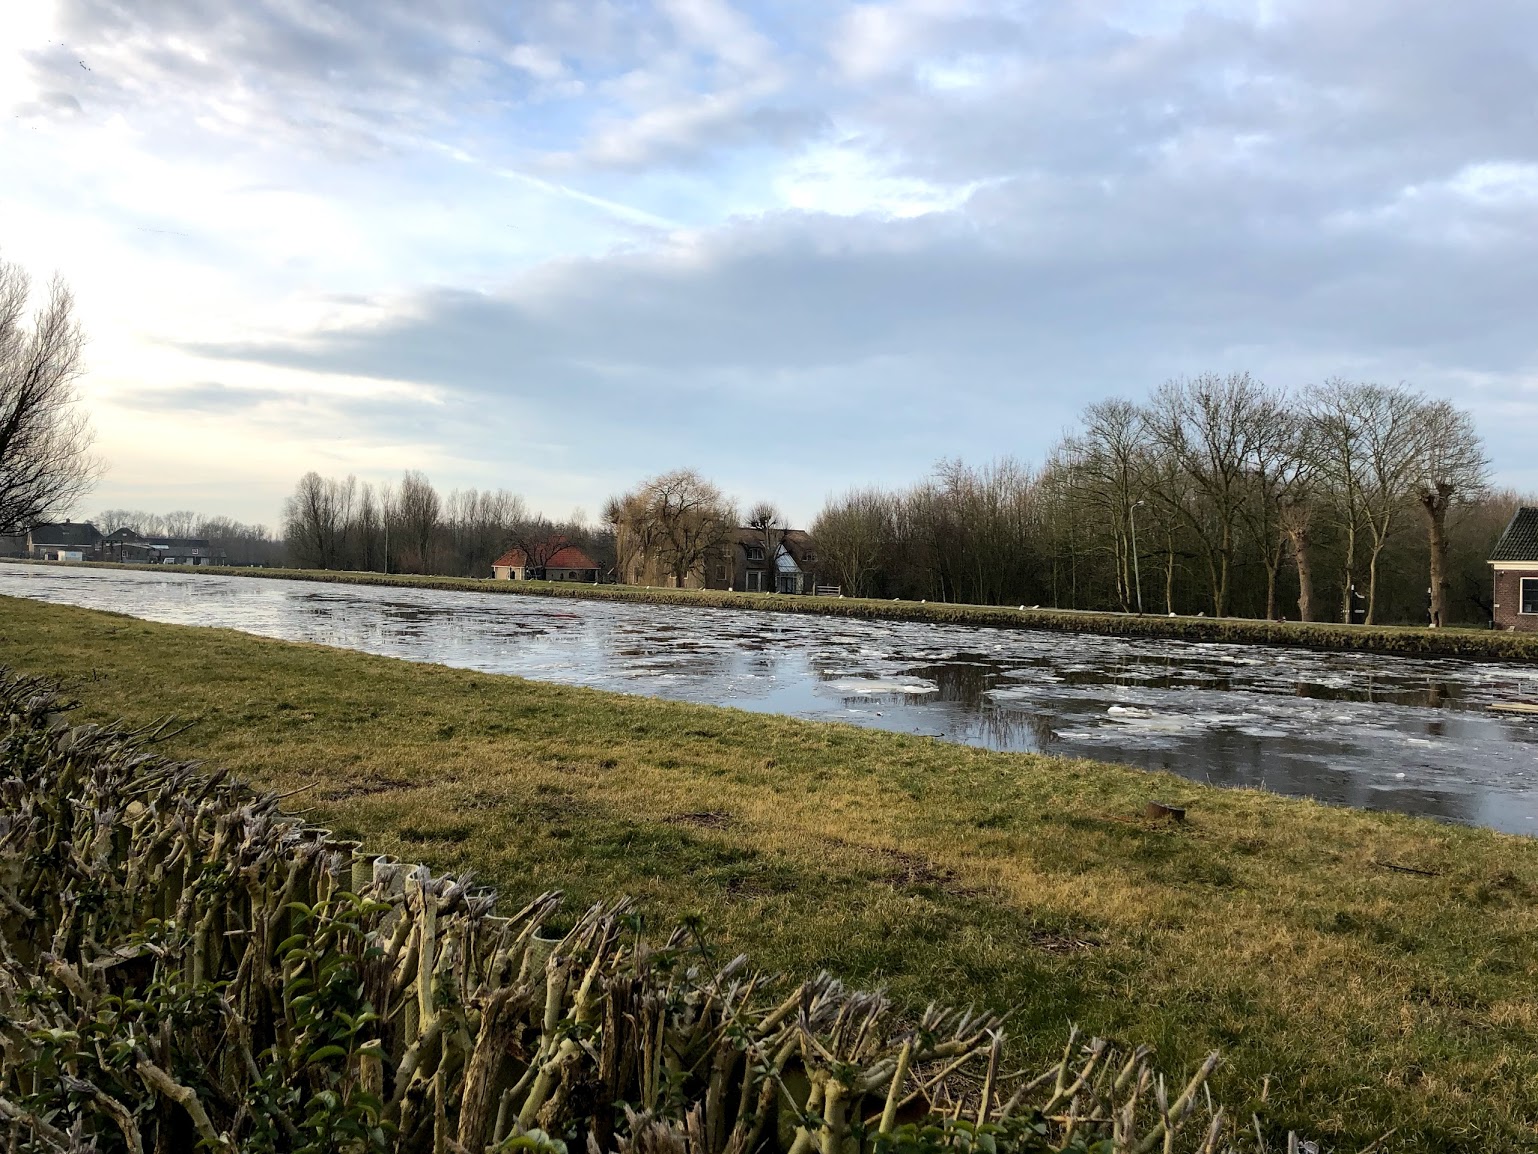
(739, 564)
(746, 568)
(566, 563)
(1515, 564)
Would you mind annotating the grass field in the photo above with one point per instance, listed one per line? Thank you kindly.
(1409, 641)
(1361, 997)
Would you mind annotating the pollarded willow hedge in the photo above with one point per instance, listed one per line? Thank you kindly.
(184, 966)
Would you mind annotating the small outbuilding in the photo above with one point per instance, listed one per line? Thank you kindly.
(1515, 562)
(562, 563)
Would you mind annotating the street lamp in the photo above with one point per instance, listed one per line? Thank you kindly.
(1137, 577)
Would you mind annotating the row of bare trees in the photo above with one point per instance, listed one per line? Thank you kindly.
(338, 523)
(962, 534)
(1226, 467)
(1217, 494)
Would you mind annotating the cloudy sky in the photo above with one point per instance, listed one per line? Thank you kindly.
(801, 245)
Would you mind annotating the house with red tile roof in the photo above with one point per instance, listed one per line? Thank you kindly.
(561, 562)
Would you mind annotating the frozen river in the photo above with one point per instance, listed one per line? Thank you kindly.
(1352, 729)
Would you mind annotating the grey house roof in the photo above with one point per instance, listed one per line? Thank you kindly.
(1520, 540)
(66, 533)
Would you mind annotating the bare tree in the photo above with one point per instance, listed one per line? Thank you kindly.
(45, 439)
(417, 511)
(765, 521)
(182, 522)
(633, 535)
(1450, 466)
(1106, 463)
(537, 538)
(1391, 438)
(1297, 523)
(482, 523)
(366, 527)
(853, 533)
(111, 520)
(389, 523)
(673, 524)
(989, 515)
(1209, 427)
(315, 520)
(1279, 469)
(240, 543)
(1336, 433)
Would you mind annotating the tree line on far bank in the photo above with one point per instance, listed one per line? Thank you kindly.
(1219, 494)
(331, 523)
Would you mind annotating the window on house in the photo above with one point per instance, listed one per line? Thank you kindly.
(755, 552)
(1530, 595)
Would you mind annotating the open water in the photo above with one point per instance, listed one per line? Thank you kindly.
(1364, 730)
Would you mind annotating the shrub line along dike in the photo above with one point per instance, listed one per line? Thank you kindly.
(1396, 640)
(1378, 969)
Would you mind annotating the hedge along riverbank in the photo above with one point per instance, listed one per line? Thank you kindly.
(183, 966)
(1399, 640)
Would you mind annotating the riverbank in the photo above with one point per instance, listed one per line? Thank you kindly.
(1296, 937)
(1407, 641)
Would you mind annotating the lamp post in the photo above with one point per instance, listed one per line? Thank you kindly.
(1137, 578)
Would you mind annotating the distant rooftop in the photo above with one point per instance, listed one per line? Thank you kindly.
(566, 557)
(65, 533)
(1520, 540)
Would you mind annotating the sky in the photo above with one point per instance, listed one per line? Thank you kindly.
(561, 245)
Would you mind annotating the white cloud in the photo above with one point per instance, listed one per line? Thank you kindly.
(846, 180)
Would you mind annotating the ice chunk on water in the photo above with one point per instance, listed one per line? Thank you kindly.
(869, 685)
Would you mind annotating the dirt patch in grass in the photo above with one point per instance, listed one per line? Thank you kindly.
(1054, 943)
(366, 787)
(703, 819)
(903, 870)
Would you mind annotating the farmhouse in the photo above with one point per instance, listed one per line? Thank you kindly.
(64, 541)
(127, 545)
(790, 570)
(563, 563)
(1515, 562)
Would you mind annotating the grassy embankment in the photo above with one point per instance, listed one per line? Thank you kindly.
(1405, 640)
(1372, 997)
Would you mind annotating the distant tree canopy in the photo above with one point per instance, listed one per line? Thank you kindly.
(46, 465)
(1215, 494)
(337, 523)
(1218, 494)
